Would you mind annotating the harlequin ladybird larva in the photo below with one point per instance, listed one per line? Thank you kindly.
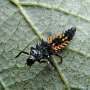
(44, 49)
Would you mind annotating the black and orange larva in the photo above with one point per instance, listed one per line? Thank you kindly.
(44, 49)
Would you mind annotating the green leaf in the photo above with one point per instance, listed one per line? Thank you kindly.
(23, 23)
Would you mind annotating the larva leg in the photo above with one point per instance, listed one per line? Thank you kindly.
(22, 52)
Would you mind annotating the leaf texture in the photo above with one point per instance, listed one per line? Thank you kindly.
(45, 16)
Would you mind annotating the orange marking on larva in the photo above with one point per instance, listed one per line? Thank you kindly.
(54, 48)
(64, 39)
(62, 34)
(64, 44)
(61, 46)
(53, 44)
(50, 40)
(57, 47)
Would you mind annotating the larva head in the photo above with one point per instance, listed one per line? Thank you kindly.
(30, 61)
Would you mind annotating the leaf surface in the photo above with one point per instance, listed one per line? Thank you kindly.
(47, 16)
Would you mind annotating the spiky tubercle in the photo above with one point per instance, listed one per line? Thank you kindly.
(60, 41)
